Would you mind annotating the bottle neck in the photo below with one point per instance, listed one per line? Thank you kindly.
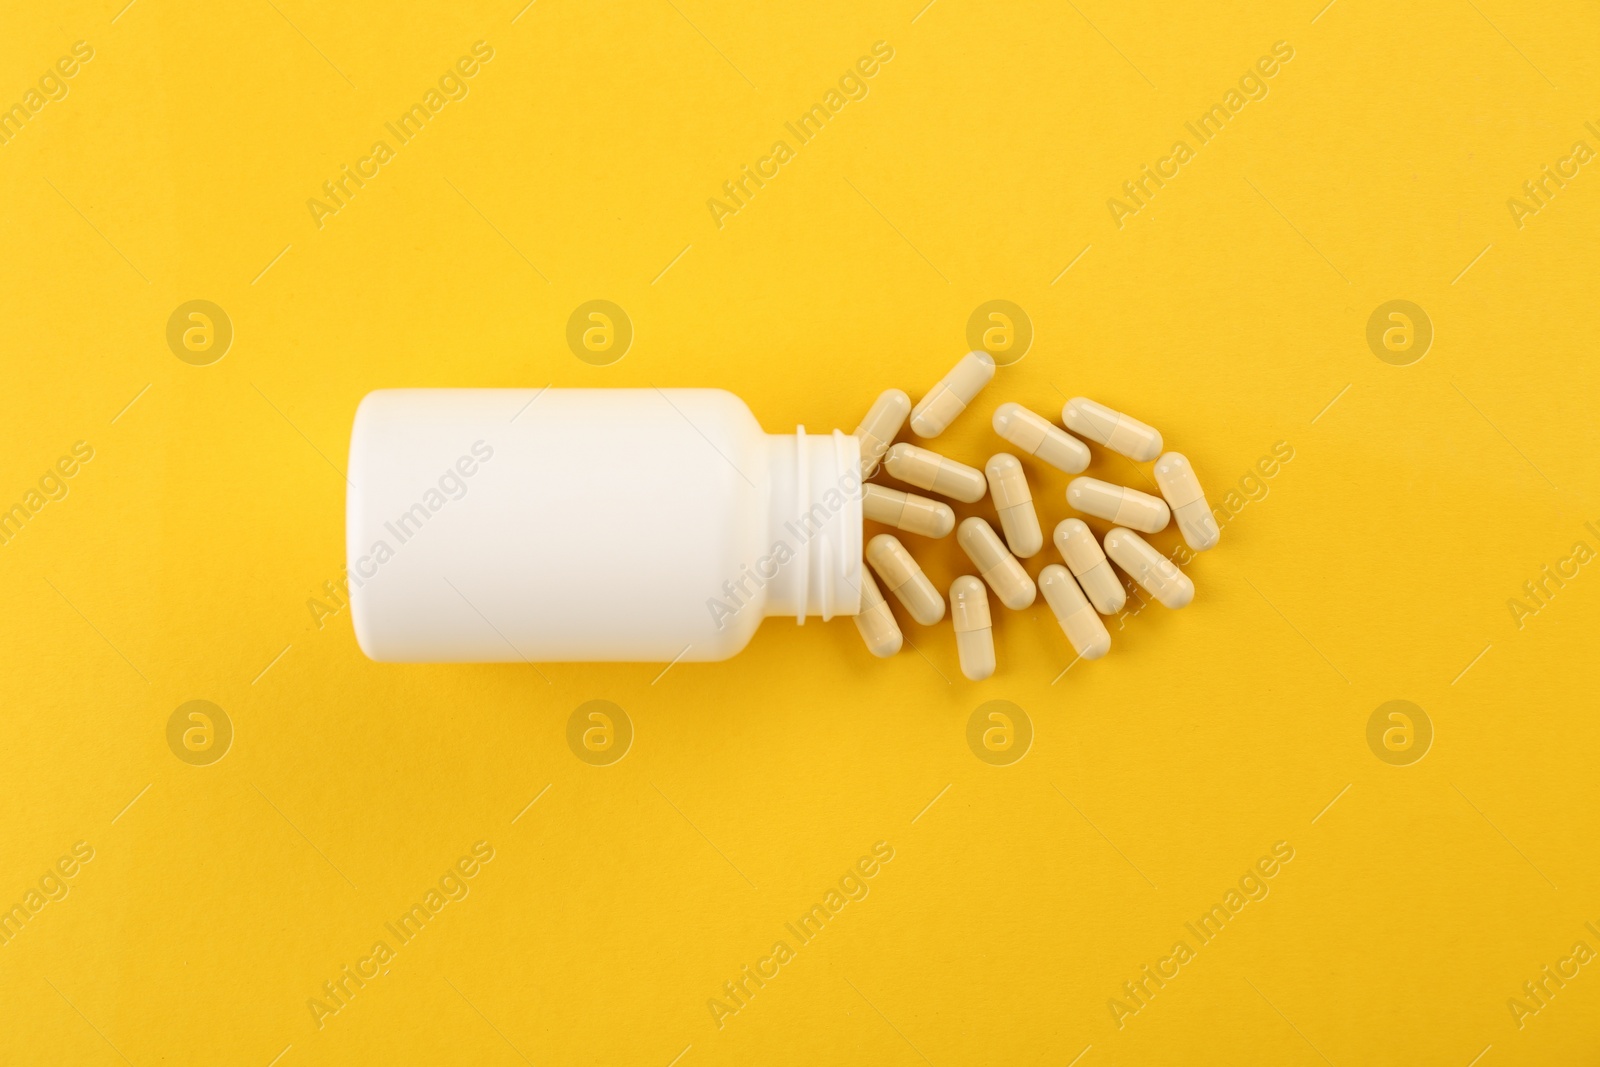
(815, 511)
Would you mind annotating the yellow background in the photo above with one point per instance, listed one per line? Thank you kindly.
(1230, 312)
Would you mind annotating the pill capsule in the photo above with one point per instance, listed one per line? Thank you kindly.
(1175, 475)
(1041, 438)
(905, 579)
(1118, 432)
(936, 411)
(1014, 501)
(969, 611)
(1155, 573)
(1118, 504)
(878, 429)
(1076, 543)
(933, 472)
(911, 513)
(997, 566)
(1083, 627)
(875, 621)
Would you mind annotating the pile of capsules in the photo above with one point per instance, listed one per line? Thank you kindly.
(1078, 593)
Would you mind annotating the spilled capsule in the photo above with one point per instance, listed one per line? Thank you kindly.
(1175, 475)
(875, 622)
(908, 512)
(1154, 573)
(1118, 504)
(1076, 543)
(905, 579)
(969, 611)
(1041, 438)
(1014, 501)
(997, 566)
(880, 426)
(933, 472)
(936, 411)
(1084, 630)
(1105, 426)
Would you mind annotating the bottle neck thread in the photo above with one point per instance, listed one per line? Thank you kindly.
(815, 512)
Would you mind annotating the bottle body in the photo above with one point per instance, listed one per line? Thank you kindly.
(508, 525)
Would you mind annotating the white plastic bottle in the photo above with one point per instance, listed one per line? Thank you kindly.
(494, 525)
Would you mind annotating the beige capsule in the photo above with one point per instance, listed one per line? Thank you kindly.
(908, 512)
(1175, 475)
(1041, 438)
(997, 566)
(881, 425)
(933, 472)
(948, 399)
(1118, 504)
(1084, 630)
(1106, 426)
(905, 579)
(1154, 573)
(1008, 484)
(875, 621)
(969, 611)
(1087, 561)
